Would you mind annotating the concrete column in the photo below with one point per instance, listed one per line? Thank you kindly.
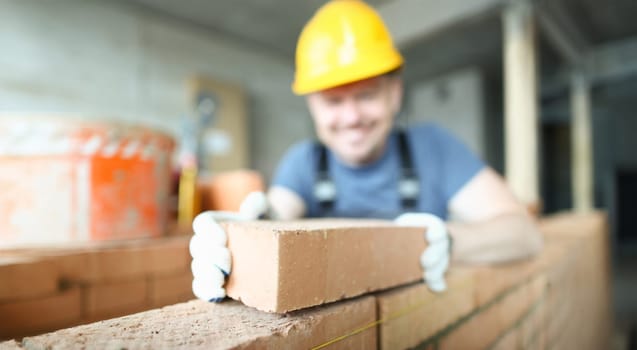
(521, 107)
(581, 144)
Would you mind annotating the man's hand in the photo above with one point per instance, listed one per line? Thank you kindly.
(211, 260)
(435, 258)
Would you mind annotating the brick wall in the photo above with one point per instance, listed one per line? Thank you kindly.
(559, 300)
(47, 289)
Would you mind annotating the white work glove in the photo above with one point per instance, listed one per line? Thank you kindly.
(435, 259)
(211, 260)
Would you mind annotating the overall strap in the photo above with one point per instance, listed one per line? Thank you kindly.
(324, 188)
(408, 185)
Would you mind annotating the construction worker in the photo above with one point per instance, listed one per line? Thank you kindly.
(348, 70)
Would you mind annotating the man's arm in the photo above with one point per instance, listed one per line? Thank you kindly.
(490, 225)
(285, 204)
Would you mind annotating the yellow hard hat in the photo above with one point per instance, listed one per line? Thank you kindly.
(344, 42)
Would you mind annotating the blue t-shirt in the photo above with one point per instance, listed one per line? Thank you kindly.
(442, 163)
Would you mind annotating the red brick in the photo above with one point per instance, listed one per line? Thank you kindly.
(492, 281)
(532, 326)
(24, 278)
(509, 340)
(516, 306)
(72, 264)
(168, 256)
(201, 325)
(578, 310)
(557, 320)
(500, 317)
(117, 260)
(283, 266)
(118, 263)
(29, 317)
(513, 307)
(171, 289)
(479, 332)
(412, 314)
(574, 224)
(110, 299)
(537, 343)
(142, 257)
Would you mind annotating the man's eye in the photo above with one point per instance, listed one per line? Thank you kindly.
(332, 101)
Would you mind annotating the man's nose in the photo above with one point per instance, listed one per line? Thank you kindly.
(351, 112)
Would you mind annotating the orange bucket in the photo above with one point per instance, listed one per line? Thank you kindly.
(65, 180)
(226, 190)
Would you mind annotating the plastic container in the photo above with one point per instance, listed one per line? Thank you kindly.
(64, 180)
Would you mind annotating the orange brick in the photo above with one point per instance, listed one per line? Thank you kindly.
(558, 318)
(492, 281)
(513, 307)
(118, 264)
(201, 325)
(169, 255)
(412, 314)
(29, 317)
(532, 326)
(24, 278)
(171, 289)
(283, 266)
(138, 258)
(538, 342)
(104, 300)
(479, 332)
(503, 316)
(574, 224)
(518, 303)
(509, 340)
(118, 260)
(72, 264)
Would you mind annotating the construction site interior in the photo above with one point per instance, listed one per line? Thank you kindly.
(122, 121)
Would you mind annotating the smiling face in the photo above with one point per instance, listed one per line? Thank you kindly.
(354, 120)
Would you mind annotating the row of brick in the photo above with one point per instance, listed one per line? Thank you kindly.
(277, 266)
(559, 300)
(88, 303)
(89, 263)
(46, 289)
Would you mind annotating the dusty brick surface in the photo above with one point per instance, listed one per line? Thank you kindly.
(24, 278)
(39, 315)
(10, 345)
(200, 325)
(412, 314)
(558, 300)
(171, 289)
(110, 299)
(283, 266)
